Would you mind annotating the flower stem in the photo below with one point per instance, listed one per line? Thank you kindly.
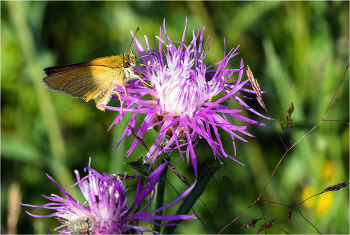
(161, 187)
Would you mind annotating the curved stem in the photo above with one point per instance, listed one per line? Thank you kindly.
(161, 187)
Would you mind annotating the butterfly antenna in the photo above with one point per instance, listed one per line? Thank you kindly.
(133, 38)
(149, 55)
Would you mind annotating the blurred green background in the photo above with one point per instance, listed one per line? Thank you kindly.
(298, 51)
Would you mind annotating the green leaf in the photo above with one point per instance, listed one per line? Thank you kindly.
(192, 197)
(137, 210)
(141, 167)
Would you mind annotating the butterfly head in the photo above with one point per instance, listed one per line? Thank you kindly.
(129, 60)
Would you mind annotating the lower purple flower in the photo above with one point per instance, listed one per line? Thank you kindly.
(106, 211)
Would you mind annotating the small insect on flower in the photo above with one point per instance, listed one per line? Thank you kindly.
(81, 226)
(94, 79)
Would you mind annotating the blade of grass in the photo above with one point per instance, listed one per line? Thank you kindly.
(57, 146)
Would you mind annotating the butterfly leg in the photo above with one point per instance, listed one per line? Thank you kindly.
(143, 81)
(141, 78)
(121, 102)
(126, 92)
(134, 76)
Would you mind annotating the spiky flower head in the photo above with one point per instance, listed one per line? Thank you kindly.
(181, 108)
(106, 210)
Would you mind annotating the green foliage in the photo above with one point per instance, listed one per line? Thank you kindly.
(141, 167)
(297, 51)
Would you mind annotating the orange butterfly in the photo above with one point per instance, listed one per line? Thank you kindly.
(94, 79)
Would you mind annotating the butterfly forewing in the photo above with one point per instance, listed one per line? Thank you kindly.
(110, 61)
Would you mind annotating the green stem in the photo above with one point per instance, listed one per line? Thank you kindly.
(56, 140)
(161, 188)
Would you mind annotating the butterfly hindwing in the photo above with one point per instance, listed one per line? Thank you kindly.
(83, 82)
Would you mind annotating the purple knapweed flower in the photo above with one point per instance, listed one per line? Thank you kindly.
(105, 211)
(181, 109)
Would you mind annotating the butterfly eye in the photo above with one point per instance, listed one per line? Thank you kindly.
(126, 65)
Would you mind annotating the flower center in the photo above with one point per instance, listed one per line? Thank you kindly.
(180, 86)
